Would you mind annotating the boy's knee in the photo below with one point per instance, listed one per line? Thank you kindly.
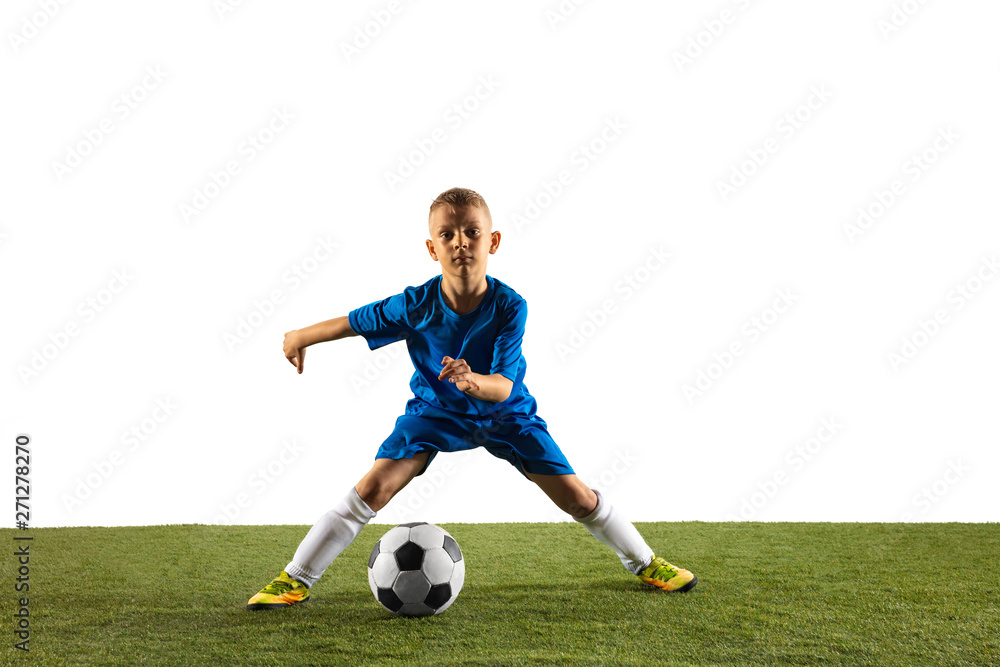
(583, 503)
(579, 500)
(374, 492)
(375, 489)
(385, 480)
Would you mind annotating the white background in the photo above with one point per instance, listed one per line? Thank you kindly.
(915, 440)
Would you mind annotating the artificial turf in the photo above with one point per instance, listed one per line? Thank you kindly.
(768, 594)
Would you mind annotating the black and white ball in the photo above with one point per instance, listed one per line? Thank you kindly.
(416, 569)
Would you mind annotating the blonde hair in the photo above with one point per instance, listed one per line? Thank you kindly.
(460, 197)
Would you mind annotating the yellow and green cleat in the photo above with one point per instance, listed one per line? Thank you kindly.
(667, 577)
(283, 591)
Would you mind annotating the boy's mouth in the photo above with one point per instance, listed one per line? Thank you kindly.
(463, 257)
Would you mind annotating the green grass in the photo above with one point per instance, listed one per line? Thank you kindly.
(768, 593)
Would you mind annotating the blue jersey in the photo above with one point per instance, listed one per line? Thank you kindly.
(488, 339)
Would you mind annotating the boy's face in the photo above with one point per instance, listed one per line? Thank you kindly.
(461, 238)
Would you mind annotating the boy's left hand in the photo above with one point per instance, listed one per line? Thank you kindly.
(459, 374)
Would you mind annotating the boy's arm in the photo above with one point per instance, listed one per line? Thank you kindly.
(298, 340)
(495, 388)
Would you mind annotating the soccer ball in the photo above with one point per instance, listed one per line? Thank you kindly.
(416, 569)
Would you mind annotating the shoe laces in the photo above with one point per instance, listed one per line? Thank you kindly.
(277, 587)
(662, 569)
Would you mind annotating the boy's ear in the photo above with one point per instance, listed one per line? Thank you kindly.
(430, 249)
(495, 242)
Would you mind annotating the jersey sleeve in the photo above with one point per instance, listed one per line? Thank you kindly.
(381, 322)
(507, 349)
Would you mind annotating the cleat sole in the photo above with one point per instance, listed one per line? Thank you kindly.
(273, 605)
(688, 586)
(661, 585)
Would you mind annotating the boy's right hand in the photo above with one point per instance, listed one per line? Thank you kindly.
(294, 351)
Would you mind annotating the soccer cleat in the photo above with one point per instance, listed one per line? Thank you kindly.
(667, 577)
(283, 591)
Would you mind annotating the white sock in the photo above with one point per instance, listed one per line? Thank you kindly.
(328, 537)
(607, 525)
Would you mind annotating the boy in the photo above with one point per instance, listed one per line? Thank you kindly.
(463, 330)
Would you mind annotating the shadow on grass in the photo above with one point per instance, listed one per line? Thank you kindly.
(488, 603)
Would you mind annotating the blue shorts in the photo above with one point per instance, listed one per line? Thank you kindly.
(524, 442)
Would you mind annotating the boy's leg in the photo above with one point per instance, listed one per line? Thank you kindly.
(330, 535)
(336, 529)
(387, 478)
(590, 508)
(584, 504)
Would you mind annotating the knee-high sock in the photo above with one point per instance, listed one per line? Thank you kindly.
(607, 524)
(328, 537)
